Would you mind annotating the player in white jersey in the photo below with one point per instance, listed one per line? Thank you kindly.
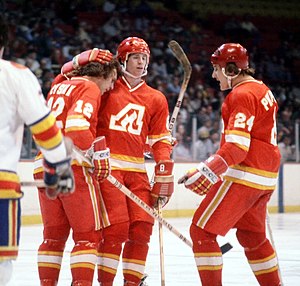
(22, 102)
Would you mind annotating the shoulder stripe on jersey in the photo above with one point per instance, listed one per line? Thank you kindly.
(242, 139)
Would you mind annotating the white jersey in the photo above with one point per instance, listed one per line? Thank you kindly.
(22, 102)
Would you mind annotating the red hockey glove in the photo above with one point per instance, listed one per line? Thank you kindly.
(200, 179)
(94, 55)
(58, 177)
(100, 156)
(163, 183)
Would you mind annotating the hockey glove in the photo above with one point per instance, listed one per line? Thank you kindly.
(200, 179)
(163, 183)
(58, 177)
(94, 55)
(100, 156)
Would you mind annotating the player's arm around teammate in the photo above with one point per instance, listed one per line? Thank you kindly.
(75, 101)
(126, 135)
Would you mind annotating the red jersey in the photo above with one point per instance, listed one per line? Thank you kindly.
(128, 117)
(248, 142)
(75, 104)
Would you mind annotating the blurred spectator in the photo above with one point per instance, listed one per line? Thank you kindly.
(215, 139)
(172, 90)
(113, 25)
(232, 29)
(203, 146)
(55, 33)
(181, 152)
(181, 132)
(185, 112)
(286, 150)
(82, 32)
(159, 68)
(108, 6)
(285, 120)
(202, 116)
(173, 87)
(141, 23)
(57, 57)
(250, 30)
(31, 61)
(144, 9)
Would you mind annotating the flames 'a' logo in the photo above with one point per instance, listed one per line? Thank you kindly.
(129, 119)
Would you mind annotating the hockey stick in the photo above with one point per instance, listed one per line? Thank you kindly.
(187, 70)
(161, 246)
(153, 213)
(77, 155)
(225, 248)
(36, 183)
(82, 159)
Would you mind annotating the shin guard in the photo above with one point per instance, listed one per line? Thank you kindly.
(208, 256)
(109, 251)
(83, 261)
(50, 254)
(135, 252)
(261, 257)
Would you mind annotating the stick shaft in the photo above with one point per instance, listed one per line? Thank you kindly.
(184, 62)
(161, 248)
(81, 157)
(36, 183)
(77, 154)
(273, 243)
(153, 213)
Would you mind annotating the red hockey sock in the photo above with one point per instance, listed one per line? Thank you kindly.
(83, 261)
(109, 252)
(208, 256)
(135, 252)
(263, 262)
(50, 254)
(261, 256)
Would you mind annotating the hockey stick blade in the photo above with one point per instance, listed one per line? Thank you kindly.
(187, 71)
(181, 57)
(226, 247)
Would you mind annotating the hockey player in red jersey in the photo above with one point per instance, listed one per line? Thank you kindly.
(22, 102)
(240, 178)
(130, 113)
(75, 103)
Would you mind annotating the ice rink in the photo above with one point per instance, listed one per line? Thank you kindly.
(179, 264)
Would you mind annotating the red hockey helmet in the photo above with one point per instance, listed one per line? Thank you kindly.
(132, 45)
(230, 53)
